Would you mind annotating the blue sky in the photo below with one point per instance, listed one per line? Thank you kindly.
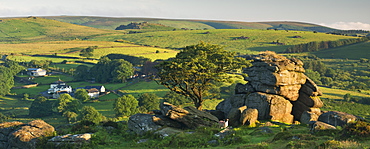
(344, 14)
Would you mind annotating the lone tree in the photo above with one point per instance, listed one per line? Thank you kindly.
(88, 52)
(195, 69)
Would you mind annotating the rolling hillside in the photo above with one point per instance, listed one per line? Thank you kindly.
(112, 23)
(34, 29)
(355, 51)
(237, 40)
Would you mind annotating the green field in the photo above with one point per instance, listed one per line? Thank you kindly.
(259, 40)
(356, 51)
(33, 29)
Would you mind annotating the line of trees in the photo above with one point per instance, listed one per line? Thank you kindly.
(7, 72)
(316, 46)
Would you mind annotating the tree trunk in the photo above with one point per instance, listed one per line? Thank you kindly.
(198, 105)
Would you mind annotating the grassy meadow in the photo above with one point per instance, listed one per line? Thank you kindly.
(34, 29)
(27, 51)
(259, 40)
(356, 51)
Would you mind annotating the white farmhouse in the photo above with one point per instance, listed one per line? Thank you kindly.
(59, 86)
(36, 72)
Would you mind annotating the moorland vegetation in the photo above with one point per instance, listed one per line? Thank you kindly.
(124, 63)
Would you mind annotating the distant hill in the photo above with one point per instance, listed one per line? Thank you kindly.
(35, 29)
(145, 26)
(112, 23)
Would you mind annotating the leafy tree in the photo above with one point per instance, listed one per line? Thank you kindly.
(39, 64)
(81, 73)
(6, 80)
(107, 70)
(347, 97)
(125, 106)
(89, 113)
(82, 95)
(88, 52)
(67, 103)
(175, 99)
(40, 107)
(149, 101)
(314, 76)
(193, 70)
(3, 117)
(122, 70)
(71, 116)
(25, 96)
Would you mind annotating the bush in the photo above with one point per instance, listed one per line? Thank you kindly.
(358, 130)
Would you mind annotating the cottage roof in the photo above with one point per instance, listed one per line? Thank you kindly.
(91, 87)
(58, 82)
(92, 90)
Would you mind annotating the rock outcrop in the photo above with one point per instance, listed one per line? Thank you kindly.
(171, 116)
(277, 88)
(76, 140)
(16, 135)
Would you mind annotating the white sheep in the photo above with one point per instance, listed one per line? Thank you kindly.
(224, 123)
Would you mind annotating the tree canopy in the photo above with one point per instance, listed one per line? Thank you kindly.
(125, 106)
(107, 70)
(194, 70)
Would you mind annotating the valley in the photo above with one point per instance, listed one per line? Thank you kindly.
(55, 44)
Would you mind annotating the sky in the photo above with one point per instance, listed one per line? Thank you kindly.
(340, 14)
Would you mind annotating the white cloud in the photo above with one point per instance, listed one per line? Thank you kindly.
(349, 25)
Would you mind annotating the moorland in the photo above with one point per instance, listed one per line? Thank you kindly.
(55, 44)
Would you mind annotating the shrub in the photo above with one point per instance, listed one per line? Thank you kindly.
(358, 130)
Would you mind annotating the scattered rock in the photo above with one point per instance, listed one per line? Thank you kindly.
(309, 116)
(20, 135)
(317, 126)
(234, 116)
(249, 117)
(165, 132)
(69, 139)
(337, 118)
(171, 116)
(142, 123)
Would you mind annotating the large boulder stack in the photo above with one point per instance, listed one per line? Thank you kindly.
(277, 88)
(16, 135)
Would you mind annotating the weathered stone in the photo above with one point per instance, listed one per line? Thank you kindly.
(243, 88)
(189, 117)
(317, 126)
(310, 101)
(142, 123)
(197, 118)
(165, 132)
(26, 136)
(276, 79)
(307, 116)
(290, 92)
(298, 109)
(224, 106)
(219, 114)
(310, 88)
(165, 121)
(69, 139)
(249, 117)
(234, 116)
(269, 106)
(337, 118)
(238, 100)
